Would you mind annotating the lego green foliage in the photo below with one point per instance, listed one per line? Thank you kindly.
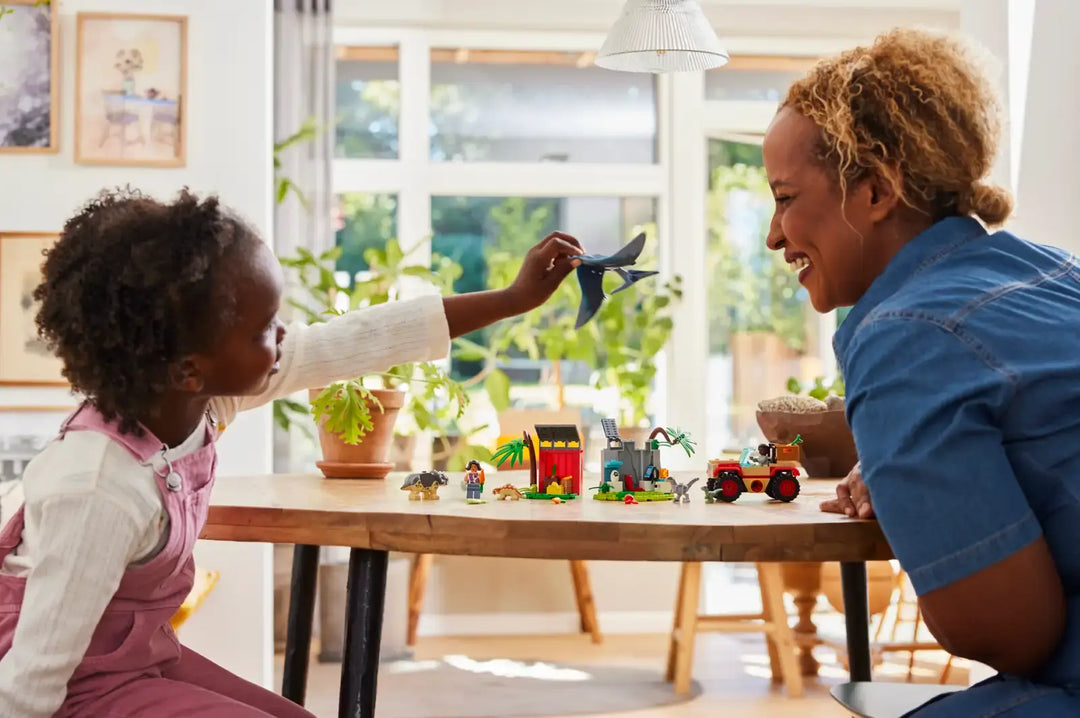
(513, 450)
(678, 438)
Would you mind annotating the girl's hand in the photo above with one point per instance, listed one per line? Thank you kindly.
(544, 268)
(852, 497)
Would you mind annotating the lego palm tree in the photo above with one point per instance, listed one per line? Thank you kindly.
(514, 451)
(672, 437)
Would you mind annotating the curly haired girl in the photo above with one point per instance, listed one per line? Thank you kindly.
(165, 317)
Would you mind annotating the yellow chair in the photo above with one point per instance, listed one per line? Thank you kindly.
(204, 584)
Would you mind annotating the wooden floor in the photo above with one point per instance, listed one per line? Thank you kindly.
(735, 685)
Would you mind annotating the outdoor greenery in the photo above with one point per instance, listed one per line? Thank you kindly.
(819, 389)
(751, 288)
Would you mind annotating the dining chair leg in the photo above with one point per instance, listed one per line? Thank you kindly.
(856, 619)
(585, 603)
(418, 576)
(686, 632)
(366, 599)
(305, 571)
(673, 641)
(772, 590)
(775, 667)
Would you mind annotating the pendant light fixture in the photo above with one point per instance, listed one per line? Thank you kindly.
(662, 36)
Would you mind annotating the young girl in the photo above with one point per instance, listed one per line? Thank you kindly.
(165, 316)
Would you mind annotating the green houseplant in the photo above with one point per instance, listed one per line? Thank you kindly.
(355, 416)
(546, 332)
(633, 328)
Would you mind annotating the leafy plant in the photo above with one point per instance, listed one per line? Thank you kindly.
(433, 400)
(308, 131)
(5, 10)
(633, 327)
(546, 332)
(819, 389)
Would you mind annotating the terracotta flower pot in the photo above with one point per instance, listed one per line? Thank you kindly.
(828, 448)
(370, 458)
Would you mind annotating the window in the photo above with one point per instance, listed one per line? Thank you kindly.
(488, 237)
(363, 220)
(762, 330)
(492, 147)
(368, 100)
(527, 106)
(755, 78)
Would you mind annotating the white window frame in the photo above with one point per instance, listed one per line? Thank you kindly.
(677, 180)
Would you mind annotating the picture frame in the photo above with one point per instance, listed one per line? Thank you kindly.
(30, 77)
(131, 90)
(24, 358)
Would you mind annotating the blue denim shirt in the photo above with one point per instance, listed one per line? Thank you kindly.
(962, 366)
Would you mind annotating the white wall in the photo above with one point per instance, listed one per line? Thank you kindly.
(228, 151)
(1047, 210)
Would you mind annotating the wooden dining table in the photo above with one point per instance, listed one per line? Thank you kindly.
(374, 517)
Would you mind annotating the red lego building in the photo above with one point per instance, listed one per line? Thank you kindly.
(559, 454)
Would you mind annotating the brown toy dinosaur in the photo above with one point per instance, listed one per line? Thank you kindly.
(508, 491)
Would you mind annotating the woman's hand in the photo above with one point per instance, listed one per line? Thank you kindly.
(544, 268)
(852, 498)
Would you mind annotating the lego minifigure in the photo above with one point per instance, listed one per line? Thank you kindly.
(474, 482)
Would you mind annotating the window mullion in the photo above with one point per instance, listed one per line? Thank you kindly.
(414, 199)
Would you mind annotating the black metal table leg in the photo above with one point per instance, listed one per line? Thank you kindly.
(305, 571)
(363, 632)
(856, 618)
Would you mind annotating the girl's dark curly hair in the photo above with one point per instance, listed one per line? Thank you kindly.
(130, 288)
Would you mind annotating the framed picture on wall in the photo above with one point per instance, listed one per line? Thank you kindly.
(130, 90)
(29, 76)
(24, 358)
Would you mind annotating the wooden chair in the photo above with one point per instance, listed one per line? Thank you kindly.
(204, 584)
(772, 621)
(886, 700)
(421, 566)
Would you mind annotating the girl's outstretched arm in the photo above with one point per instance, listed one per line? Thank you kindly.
(373, 339)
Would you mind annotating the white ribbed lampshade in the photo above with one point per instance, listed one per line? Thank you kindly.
(662, 36)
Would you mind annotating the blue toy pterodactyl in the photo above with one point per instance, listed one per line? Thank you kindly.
(590, 275)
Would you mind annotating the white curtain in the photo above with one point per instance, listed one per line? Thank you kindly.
(303, 93)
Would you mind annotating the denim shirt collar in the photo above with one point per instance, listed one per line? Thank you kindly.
(923, 250)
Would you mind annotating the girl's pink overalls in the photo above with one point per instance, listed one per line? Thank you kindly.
(135, 666)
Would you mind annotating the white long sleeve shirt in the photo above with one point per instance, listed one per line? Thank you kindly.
(91, 510)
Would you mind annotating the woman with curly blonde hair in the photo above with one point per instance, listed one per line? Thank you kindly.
(961, 355)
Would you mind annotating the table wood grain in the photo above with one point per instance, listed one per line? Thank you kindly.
(377, 514)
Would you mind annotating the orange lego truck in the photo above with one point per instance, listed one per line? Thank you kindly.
(772, 469)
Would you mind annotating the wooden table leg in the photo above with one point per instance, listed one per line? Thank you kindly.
(421, 567)
(856, 618)
(305, 571)
(366, 597)
(586, 606)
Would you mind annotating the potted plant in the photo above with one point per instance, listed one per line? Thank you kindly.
(355, 417)
(818, 416)
(546, 332)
